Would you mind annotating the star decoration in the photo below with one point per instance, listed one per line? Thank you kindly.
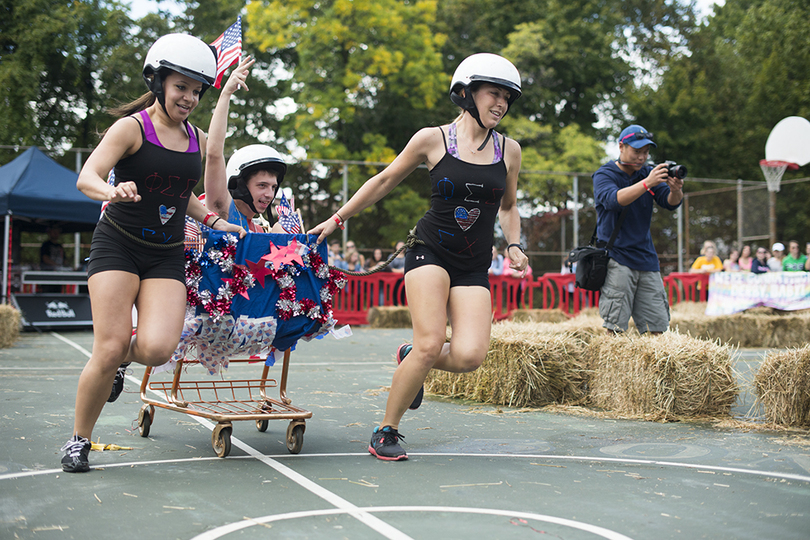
(284, 255)
(259, 270)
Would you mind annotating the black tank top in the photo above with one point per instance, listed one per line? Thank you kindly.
(165, 179)
(464, 203)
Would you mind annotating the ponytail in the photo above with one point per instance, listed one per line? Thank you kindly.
(143, 102)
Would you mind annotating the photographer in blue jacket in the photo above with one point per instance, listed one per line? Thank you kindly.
(634, 286)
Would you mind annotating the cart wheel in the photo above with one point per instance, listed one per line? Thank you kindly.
(295, 437)
(145, 416)
(261, 425)
(221, 439)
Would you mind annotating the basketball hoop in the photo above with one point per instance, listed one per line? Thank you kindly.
(773, 171)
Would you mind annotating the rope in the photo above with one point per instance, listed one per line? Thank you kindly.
(140, 240)
(411, 241)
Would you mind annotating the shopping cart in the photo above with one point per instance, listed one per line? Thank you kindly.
(293, 302)
(226, 401)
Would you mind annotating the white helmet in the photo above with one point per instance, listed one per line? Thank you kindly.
(479, 68)
(184, 54)
(246, 161)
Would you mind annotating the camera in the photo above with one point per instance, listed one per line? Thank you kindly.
(675, 170)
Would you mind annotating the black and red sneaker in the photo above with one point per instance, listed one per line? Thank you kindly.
(402, 352)
(385, 444)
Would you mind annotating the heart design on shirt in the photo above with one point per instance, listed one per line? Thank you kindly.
(465, 218)
(166, 213)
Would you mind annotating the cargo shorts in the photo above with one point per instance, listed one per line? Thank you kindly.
(633, 293)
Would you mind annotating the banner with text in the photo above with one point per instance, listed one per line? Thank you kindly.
(731, 292)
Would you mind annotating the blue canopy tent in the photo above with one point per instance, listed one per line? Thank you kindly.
(37, 191)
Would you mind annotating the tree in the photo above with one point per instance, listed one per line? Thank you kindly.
(364, 76)
(716, 103)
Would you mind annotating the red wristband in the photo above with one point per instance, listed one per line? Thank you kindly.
(339, 223)
(644, 183)
(208, 216)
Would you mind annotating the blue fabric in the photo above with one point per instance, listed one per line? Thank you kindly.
(262, 302)
(633, 246)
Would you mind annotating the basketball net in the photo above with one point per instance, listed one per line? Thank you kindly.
(773, 171)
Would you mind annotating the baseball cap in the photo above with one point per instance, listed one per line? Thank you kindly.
(779, 246)
(636, 136)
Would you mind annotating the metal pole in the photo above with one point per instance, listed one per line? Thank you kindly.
(772, 216)
(740, 215)
(77, 242)
(345, 200)
(78, 161)
(686, 225)
(7, 230)
(563, 247)
(679, 215)
(575, 243)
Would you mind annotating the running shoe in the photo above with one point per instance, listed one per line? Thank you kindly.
(76, 450)
(385, 444)
(118, 383)
(402, 352)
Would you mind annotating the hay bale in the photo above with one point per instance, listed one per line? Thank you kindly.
(389, 317)
(528, 365)
(538, 315)
(782, 387)
(756, 327)
(9, 325)
(661, 377)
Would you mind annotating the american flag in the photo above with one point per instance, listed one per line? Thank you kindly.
(287, 218)
(229, 48)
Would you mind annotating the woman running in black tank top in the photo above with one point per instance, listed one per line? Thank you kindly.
(447, 279)
(137, 255)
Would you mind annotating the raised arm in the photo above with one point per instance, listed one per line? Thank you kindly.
(416, 152)
(217, 196)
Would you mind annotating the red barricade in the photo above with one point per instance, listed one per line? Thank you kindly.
(510, 293)
(361, 293)
(685, 287)
(558, 292)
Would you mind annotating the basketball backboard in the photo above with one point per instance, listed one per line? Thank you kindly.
(789, 141)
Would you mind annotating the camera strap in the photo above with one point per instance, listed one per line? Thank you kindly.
(613, 236)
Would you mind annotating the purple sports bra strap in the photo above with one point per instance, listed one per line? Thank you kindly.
(151, 135)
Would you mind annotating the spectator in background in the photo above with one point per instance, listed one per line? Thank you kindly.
(352, 262)
(760, 264)
(51, 253)
(496, 266)
(795, 260)
(732, 263)
(708, 262)
(398, 264)
(350, 246)
(335, 253)
(375, 260)
(775, 260)
(745, 259)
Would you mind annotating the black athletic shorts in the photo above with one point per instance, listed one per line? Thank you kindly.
(111, 250)
(421, 255)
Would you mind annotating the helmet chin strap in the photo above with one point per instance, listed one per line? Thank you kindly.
(474, 113)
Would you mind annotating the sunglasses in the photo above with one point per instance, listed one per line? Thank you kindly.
(637, 136)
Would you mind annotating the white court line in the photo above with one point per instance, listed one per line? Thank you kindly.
(219, 532)
(593, 459)
(72, 344)
(374, 522)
